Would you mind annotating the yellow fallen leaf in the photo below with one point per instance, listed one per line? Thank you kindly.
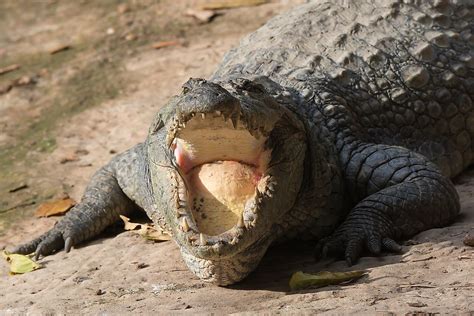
(58, 207)
(129, 225)
(229, 4)
(20, 264)
(147, 231)
(300, 280)
(153, 234)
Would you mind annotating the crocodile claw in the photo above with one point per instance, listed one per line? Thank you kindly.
(45, 245)
(352, 246)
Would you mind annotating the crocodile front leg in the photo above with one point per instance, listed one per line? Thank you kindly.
(114, 190)
(398, 193)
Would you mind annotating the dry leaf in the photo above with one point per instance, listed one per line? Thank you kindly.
(58, 207)
(123, 8)
(20, 264)
(5, 88)
(129, 225)
(416, 304)
(151, 233)
(69, 158)
(23, 81)
(9, 69)
(164, 44)
(58, 49)
(18, 188)
(228, 4)
(147, 231)
(204, 16)
(300, 280)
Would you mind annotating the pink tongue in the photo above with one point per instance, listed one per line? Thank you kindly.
(182, 158)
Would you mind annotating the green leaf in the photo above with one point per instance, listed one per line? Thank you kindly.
(300, 280)
(19, 263)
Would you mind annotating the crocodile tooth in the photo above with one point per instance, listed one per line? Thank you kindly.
(181, 195)
(180, 212)
(202, 239)
(184, 224)
(234, 241)
(203, 116)
(241, 223)
(218, 113)
(183, 123)
(269, 193)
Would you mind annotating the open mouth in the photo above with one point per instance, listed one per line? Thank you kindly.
(223, 167)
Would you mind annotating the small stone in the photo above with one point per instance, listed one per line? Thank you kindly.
(81, 152)
(69, 158)
(23, 81)
(142, 265)
(469, 240)
(100, 292)
(123, 8)
(130, 37)
(110, 31)
(416, 304)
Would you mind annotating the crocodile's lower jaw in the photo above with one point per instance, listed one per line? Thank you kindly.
(228, 270)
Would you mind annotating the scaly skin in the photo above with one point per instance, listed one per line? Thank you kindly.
(369, 111)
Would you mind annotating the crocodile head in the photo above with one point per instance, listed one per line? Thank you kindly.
(226, 164)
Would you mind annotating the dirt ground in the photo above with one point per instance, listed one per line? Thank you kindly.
(64, 115)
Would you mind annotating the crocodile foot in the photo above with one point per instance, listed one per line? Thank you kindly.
(350, 242)
(46, 244)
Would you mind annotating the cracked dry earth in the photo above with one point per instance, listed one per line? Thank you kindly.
(125, 274)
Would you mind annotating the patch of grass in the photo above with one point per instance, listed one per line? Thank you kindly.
(95, 82)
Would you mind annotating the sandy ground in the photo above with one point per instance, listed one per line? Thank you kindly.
(55, 132)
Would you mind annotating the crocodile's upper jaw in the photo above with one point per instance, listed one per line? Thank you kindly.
(238, 166)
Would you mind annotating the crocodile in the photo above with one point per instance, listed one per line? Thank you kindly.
(339, 123)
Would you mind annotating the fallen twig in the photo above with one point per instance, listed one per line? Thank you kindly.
(229, 4)
(9, 68)
(164, 44)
